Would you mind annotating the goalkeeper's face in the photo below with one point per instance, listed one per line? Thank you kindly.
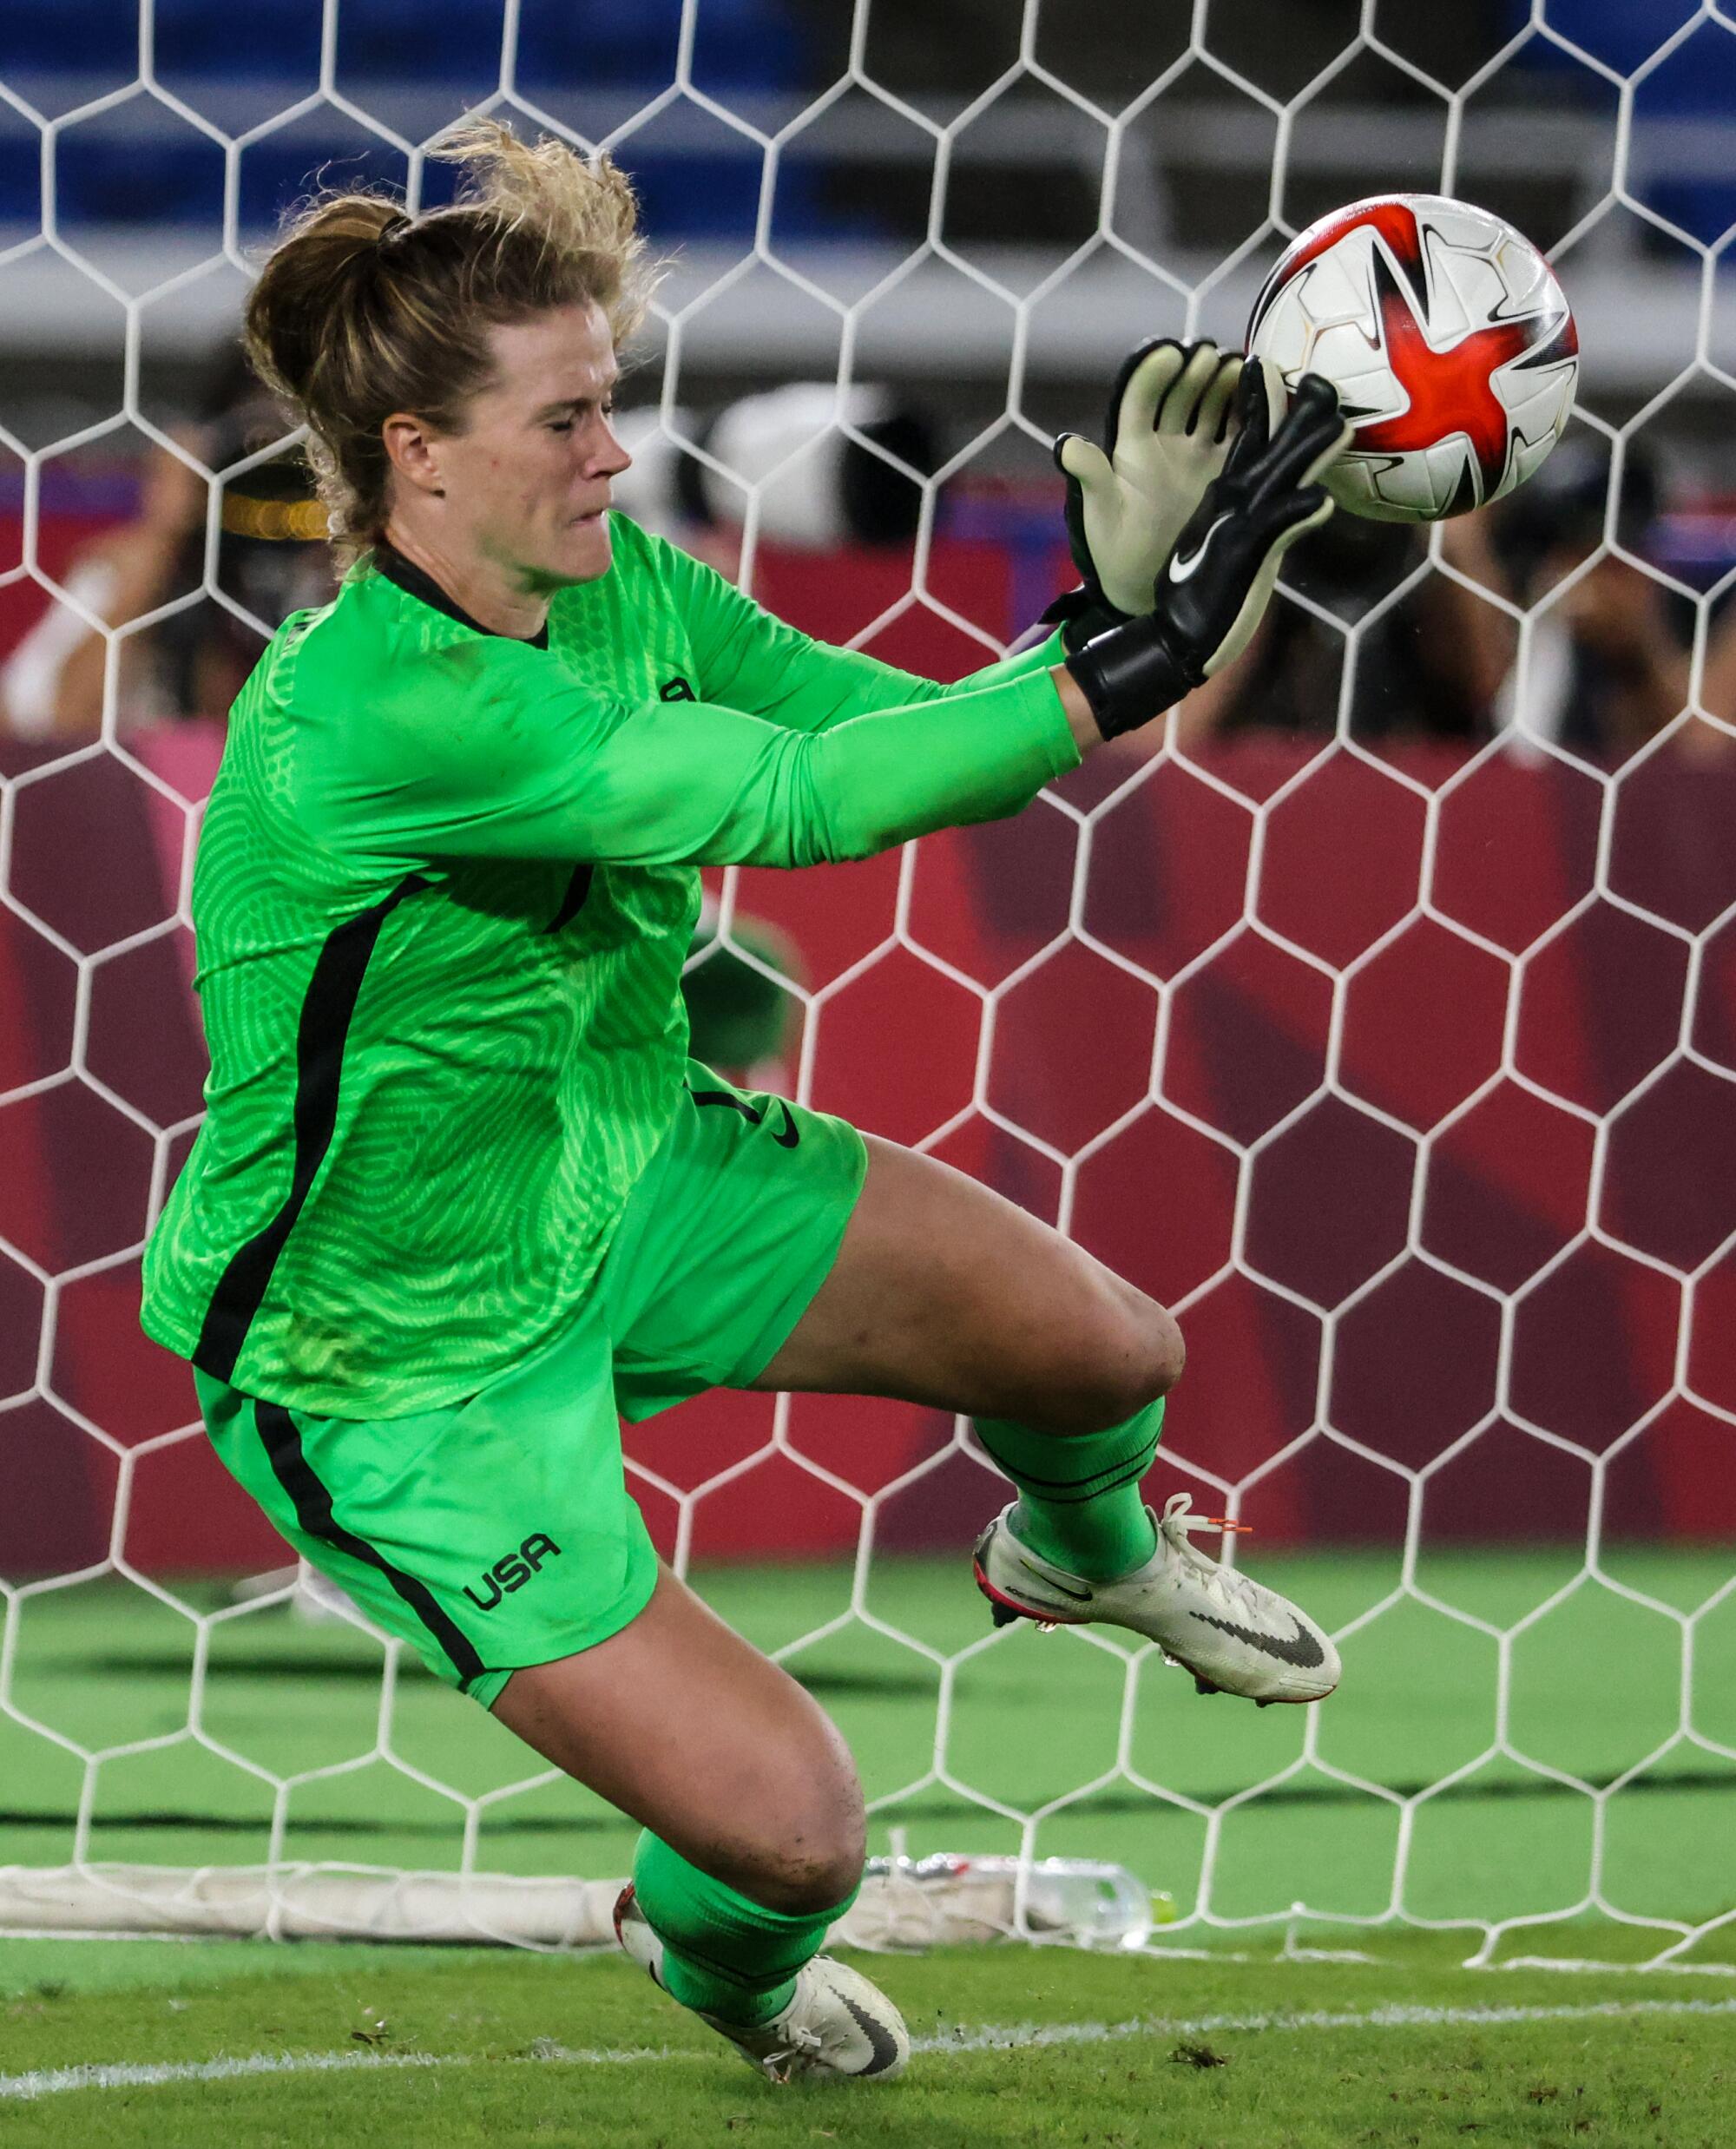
(524, 487)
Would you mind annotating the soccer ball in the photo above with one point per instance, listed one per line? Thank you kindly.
(1446, 339)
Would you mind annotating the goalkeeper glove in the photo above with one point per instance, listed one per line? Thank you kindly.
(1218, 582)
(1166, 437)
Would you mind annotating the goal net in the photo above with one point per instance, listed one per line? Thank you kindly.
(1379, 1016)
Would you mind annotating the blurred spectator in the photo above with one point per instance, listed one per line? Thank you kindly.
(1422, 665)
(272, 558)
(826, 467)
(823, 466)
(1606, 665)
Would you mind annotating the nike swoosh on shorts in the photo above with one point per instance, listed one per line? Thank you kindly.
(786, 1138)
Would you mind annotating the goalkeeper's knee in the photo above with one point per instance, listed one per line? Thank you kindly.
(1123, 1363)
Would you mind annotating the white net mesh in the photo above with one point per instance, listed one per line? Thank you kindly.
(1404, 1069)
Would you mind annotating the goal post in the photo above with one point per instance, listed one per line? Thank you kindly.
(1401, 1063)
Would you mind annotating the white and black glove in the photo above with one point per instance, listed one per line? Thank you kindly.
(1168, 432)
(1218, 581)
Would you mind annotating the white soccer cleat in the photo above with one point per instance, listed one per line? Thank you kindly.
(837, 2025)
(1236, 1636)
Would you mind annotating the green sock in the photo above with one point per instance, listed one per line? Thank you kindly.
(1080, 1503)
(721, 1952)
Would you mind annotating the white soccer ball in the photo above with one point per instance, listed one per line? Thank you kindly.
(1447, 340)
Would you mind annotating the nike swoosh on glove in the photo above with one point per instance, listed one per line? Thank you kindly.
(1171, 419)
(1219, 580)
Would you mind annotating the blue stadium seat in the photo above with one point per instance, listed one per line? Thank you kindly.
(1698, 81)
(739, 42)
(754, 44)
(101, 178)
(20, 178)
(198, 38)
(111, 174)
(98, 36)
(455, 41)
(1620, 33)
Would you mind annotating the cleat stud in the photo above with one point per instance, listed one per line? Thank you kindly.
(1002, 1614)
(1204, 1685)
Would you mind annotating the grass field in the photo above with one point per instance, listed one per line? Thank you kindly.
(1594, 1689)
(1016, 2044)
(106, 2046)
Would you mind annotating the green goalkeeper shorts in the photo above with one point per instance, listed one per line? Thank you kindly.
(499, 1532)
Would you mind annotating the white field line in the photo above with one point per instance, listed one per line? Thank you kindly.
(990, 2037)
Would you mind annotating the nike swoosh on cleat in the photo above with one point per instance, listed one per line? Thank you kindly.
(1007, 1608)
(1048, 1582)
(885, 2046)
(1301, 1648)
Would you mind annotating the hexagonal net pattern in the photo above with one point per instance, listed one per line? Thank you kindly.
(1403, 1069)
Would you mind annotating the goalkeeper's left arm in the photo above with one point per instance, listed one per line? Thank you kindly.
(747, 658)
(1171, 418)
(490, 748)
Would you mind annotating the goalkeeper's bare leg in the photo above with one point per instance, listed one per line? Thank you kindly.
(944, 1293)
(754, 1831)
(941, 1293)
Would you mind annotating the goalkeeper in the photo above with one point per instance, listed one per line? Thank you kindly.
(461, 1202)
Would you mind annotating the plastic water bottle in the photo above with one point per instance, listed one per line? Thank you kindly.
(1098, 1904)
(1084, 1902)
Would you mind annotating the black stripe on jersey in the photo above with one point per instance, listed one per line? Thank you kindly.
(574, 901)
(282, 1444)
(320, 1037)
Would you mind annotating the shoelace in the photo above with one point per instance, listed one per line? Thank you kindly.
(1230, 1588)
(798, 2042)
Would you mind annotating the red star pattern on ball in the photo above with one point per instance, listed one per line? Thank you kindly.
(1389, 215)
(1450, 391)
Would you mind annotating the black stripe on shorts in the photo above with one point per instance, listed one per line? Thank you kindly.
(312, 1504)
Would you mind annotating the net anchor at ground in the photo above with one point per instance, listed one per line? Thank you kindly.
(904, 1903)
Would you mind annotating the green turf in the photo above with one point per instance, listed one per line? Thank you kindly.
(1595, 1690)
(501, 2023)
(1055, 1726)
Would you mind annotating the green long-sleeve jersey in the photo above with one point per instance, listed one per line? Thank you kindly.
(444, 891)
